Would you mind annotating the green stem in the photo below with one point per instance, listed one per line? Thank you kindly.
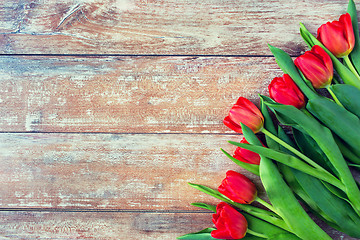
(267, 216)
(266, 204)
(263, 214)
(293, 150)
(306, 112)
(256, 233)
(351, 66)
(334, 96)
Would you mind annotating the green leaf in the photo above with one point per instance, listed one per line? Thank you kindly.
(209, 191)
(355, 54)
(251, 237)
(268, 125)
(354, 165)
(290, 161)
(265, 228)
(343, 123)
(283, 118)
(326, 142)
(202, 235)
(333, 208)
(285, 203)
(347, 151)
(310, 148)
(349, 96)
(253, 168)
(205, 206)
(306, 38)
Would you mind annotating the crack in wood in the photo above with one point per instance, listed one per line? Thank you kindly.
(73, 12)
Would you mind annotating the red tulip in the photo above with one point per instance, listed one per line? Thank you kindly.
(238, 188)
(229, 222)
(244, 111)
(317, 67)
(338, 36)
(284, 90)
(245, 155)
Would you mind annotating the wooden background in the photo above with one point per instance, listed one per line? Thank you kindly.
(109, 107)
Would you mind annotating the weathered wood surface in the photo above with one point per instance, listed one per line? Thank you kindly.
(112, 171)
(116, 225)
(98, 139)
(159, 27)
(100, 225)
(127, 94)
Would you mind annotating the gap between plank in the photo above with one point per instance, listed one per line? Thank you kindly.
(100, 210)
(119, 133)
(133, 55)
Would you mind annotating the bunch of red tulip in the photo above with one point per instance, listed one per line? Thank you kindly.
(312, 166)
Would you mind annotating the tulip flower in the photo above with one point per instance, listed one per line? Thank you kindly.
(317, 67)
(284, 90)
(229, 222)
(338, 36)
(244, 111)
(238, 188)
(245, 155)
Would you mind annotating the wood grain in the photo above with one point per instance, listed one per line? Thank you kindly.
(127, 94)
(160, 26)
(100, 225)
(112, 171)
(107, 225)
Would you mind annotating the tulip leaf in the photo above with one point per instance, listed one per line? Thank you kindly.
(343, 123)
(326, 142)
(347, 151)
(249, 236)
(306, 38)
(355, 54)
(283, 118)
(285, 203)
(354, 165)
(264, 228)
(205, 206)
(349, 96)
(268, 125)
(290, 161)
(202, 235)
(209, 191)
(336, 210)
(310, 148)
(253, 168)
(347, 76)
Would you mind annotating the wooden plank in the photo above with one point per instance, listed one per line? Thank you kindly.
(127, 94)
(100, 225)
(111, 171)
(108, 225)
(159, 27)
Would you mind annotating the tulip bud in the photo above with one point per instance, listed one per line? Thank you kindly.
(245, 155)
(244, 111)
(317, 67)
(338, 36)
(284, 90)
(229, 222)
(238, 188)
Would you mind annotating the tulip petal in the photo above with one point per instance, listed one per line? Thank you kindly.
(338, 36)
(230, 124)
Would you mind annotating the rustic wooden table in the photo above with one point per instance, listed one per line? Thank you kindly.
(109, 107)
